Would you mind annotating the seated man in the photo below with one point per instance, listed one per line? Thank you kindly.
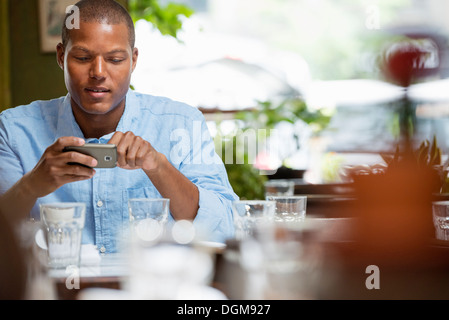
(164, 147)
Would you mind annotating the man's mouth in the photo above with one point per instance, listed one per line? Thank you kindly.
(95, 89)
(97, 92)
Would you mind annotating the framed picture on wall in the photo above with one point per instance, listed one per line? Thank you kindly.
(51, 16)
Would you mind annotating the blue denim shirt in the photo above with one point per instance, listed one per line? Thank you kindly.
(173, 128)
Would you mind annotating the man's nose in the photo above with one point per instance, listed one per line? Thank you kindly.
(97, 69)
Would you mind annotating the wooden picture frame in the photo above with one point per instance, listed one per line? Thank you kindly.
(5, 75)
(51, 16)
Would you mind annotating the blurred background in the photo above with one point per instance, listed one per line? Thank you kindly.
(300, 79)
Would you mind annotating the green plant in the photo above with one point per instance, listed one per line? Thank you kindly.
(426, 156)
(245, 179)
(269, 113)
(248, 181)
(166, 19)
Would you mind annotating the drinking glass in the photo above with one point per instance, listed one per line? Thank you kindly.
(148, 218)
(289, 208)
(440, 211)
(248, 214)
(64, 223)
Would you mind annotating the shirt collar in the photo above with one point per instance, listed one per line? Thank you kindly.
(131, 113)
(67, 125)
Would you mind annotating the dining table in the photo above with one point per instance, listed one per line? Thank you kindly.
(109, 273)
(330, 255)
(109, 276)
(335, 268)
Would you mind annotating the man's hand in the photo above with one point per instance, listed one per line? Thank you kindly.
(133, 152)
(56, 168)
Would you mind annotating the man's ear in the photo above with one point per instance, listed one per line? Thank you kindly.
(134, 57)
(60, 51)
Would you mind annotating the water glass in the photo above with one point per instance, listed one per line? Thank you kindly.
(280, 265)
(279, 187)
(148, 218)
(289, 208)
(440, 211)
(249, 214)
(64, 223)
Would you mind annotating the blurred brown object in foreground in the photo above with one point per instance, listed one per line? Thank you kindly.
(395, 211)
(13, 270)
(394, 233)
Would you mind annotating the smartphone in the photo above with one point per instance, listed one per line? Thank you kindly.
(106, 154)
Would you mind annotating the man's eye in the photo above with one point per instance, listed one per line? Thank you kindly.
(82, 58)
(116, 60)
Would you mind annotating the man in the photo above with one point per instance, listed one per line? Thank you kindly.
(164, 148)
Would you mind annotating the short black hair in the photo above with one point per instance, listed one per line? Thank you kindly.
(101, 11)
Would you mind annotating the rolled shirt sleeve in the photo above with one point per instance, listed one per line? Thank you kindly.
(206, 170)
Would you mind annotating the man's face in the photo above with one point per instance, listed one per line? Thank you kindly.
(97, 63)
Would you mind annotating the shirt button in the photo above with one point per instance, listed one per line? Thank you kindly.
(102, 249)
(99, 203)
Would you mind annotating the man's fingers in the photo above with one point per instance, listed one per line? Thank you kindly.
(133, 152)
(116, 137)
(141, 153)
(63, 142)
(68, 178)
(123, 147)
(79, 171)
(131, 155)
(71, 157)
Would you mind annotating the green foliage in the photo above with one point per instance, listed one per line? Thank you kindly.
(268, 114)
(427, 155)
(244, 178)
(247, 181)
(167, 19)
